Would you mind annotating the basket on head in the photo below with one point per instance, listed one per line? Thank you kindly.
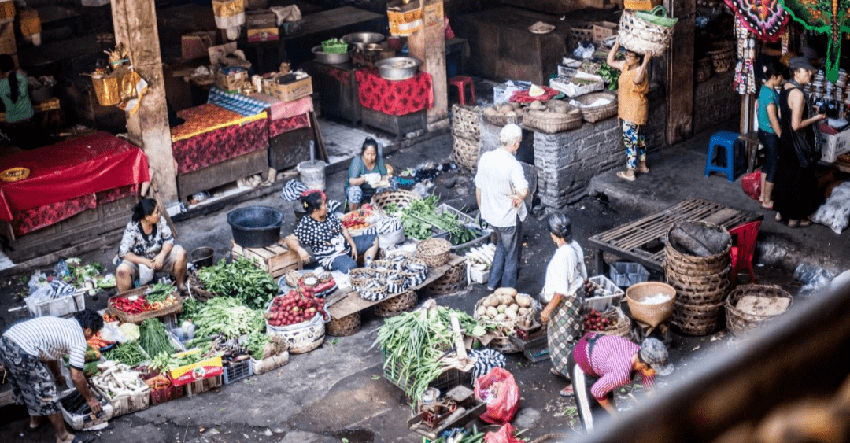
(739, 320)
(651, 314)
(434, 251)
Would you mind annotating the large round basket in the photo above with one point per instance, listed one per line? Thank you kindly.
(643, 37)
(499, 119)
(465, 121)
(739, 321)
(434, 251)
(596, 113)
(302, 337)
(401, 198)
(722, 59)
(699, 297)
(360, 276)
(695, 320)
(391, 307)
(654, 314)
(552, 122)
(452, 281)
(466, 152)
(694, 265)
(345, 326)
(623, 328)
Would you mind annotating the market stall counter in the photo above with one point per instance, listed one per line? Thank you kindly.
(395, 106)
(338, 86)
(331, 23)
(290, 132)
(75, 190)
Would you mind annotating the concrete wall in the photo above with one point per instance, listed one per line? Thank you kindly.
(715, 101)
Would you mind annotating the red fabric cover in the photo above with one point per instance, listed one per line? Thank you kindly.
(341, 75)
(32, 219)
(279, 109)
(501, 407)
(751, 184)
(521, 95)
(71, 169)
(220, 145)
(277, 127)
(395, 97)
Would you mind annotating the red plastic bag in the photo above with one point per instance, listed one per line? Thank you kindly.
(751, 184)
(499, 390)
(505, 434)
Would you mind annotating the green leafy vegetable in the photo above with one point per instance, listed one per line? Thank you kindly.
(228, 317)
(129, 353)
(159, 292)
(153, 337)
(241, 279)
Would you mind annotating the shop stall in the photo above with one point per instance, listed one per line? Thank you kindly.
(290, 132)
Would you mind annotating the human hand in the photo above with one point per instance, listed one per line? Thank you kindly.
(544, 315)
(353, 250)
(94, 405)
(304, 255)
(157, 263)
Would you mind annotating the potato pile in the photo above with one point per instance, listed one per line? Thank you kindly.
(551, 106)
(504, 305)
(505, 110)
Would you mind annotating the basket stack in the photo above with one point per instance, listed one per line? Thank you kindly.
(466, 134)
(701, 284)
(452, 281)
(765, 302)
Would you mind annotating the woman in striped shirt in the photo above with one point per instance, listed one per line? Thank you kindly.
(30, 351)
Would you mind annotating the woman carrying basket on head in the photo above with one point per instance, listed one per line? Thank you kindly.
(563, 291)
(633, 107)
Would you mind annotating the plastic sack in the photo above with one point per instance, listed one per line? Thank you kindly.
(751, 184)
(111, 332)
(505, 434)
(499, 390)
(814, 277)
(835, 212)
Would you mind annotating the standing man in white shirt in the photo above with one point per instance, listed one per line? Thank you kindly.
(500, 189)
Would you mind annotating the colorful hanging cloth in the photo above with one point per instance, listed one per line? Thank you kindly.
(764, 18)
(825, 17)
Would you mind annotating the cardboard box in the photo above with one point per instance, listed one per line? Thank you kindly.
(208, 368)
(834, 145)
(263, 34)
(603, 30)
(260, 19)
(231, 79)
(197, 44)
(288, 92)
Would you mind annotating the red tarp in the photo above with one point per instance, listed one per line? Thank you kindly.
(70, 169)
(395, 97)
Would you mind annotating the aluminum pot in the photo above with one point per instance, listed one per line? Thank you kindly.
(398, 68)
(361, 39)
(330, 59)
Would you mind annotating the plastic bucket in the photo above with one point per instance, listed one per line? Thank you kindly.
(255, 226)
(313, 174)
(202, 257)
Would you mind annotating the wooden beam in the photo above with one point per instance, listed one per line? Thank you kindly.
(680, 71)
(429, 46)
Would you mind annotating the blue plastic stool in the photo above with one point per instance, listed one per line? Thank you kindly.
(725, 139)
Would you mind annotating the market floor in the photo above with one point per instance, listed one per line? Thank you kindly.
(337, 391)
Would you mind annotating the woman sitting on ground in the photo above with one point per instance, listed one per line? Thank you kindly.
(148, 246)
(365, 171)
(329, 240)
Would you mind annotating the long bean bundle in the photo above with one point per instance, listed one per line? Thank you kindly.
(128, 353)
(153, 338)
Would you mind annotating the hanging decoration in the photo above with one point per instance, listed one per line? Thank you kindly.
(764, 18)
(745, 79)
(825, 17)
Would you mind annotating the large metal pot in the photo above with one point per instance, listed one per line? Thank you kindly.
(330, 59)
(361, 39)
(255, 226)
(398, 68)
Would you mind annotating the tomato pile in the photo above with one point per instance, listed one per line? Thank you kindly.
(357, 219)
(139, 306)
(293, 308)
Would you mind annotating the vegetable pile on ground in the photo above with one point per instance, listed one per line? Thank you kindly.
(420, 215)
(228, 317)
(165, 362)
(116, 380)
(414, 343)
(129, 353)
(153, 337)
(241, 279)
(293, 308)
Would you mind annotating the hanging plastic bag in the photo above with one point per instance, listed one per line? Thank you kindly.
(751, 184)
(505, 434)
(499, 390)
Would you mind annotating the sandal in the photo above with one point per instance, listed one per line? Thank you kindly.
(804, 223)
(567, 391)
(626, 176)
(793, 223)
(768, 207)
(778, 217)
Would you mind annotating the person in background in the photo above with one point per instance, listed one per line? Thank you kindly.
(14, 94)
(370, 163)
(148, 246)
(329, 240)
(500, 187)
(633, 108)
(600, 364)
(795, 193)
(769, 130)
(32, 351)
(563, 293)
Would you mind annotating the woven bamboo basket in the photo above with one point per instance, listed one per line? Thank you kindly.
(696, 320)
(722, 59)
(698, 283)
(594, 114)
(401, 198)
(360, 276)
(499, 119)
(452, 281)
(701, 272)
(465, 122)
(466, 151)
(700, 298)
(643, 37)
(391, 307)
(552, 122)
(386, 265)
(374, 293)
(684, 261)
(653, 315)
(434, 251)
(739, 321)
(623, 327)
(345, 326)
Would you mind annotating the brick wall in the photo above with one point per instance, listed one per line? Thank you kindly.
(715, 101)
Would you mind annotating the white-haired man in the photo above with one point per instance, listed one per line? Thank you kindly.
(500, 189)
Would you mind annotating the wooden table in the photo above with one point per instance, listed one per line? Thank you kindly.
(642, 241)
(341, 304)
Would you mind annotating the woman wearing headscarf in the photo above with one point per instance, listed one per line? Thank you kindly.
(364, 168)
(330, 241)
(563, 293)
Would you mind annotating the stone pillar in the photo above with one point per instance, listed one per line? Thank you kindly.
(135, 27)
(429, 45)
(680, 71)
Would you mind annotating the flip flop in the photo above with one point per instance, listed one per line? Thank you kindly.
(768, 207)
(567, 391)
(804, 223)
(624, 176)
(40, 425)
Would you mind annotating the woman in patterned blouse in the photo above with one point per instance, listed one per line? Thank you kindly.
(149, 243)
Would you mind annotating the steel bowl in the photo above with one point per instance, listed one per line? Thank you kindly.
(361, 39)
(330, 59)
(398, 68)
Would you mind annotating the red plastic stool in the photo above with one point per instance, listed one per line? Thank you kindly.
(459, 82)
(742, 253)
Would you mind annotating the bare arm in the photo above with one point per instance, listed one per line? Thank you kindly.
(83, 387)
(133, 258)
(607, 405)
(640, 75)
(293, 244)
(795, 101)
(612, 53)
(478, 197)
(774, 119)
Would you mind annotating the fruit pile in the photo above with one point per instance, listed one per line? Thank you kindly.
(599, 321)
(358, 219)
(293, 308)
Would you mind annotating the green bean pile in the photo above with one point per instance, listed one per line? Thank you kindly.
(153, 338)
(128, 353)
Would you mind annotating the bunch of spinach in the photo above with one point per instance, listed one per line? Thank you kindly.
(241, 279)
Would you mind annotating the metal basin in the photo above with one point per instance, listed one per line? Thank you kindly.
(361, 39)
(330, 59)
(398, 68)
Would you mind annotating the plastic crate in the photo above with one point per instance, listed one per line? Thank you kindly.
(163, 395)
(59, 307)
(79, 422)
(238, 371)
(625, 274)
(604, 303)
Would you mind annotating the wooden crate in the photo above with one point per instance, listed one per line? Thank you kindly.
(276, 259)
(197, 387)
